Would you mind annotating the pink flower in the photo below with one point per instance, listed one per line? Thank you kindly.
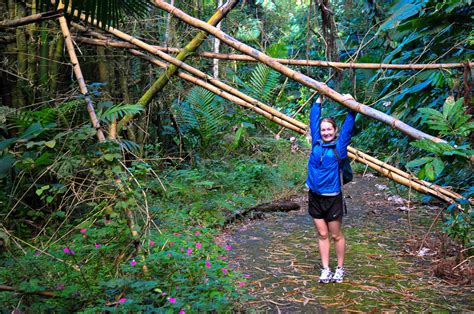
(224, 270)
(241, 283)
(97, 246)
(122, 300)
(83, 231)
(151, 243)
(172, 300)
(163, 293)
(198, 245)
(181, 311)
(133, 263)
(169, 254)
(189, 251)
(198, 233)
(222, 258)
(181, 249)
(247, 275)
(208, 264)
(228, 247)
(171, 243)
(68, 251)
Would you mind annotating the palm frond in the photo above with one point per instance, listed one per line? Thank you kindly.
(263, 82)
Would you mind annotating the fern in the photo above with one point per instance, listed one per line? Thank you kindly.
(119, 111)
(263, 82)
(199, 114)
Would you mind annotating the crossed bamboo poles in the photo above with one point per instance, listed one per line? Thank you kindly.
(225, 91)
(244, 100)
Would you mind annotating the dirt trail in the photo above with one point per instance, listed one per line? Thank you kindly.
(280, 254)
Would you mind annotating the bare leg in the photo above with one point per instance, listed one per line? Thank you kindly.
(339, 240)
(323, 240)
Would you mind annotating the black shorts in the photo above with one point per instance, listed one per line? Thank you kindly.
(329, 208)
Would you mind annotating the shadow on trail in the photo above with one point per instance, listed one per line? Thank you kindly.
(281, 256)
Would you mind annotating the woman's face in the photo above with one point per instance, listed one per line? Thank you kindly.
(328, 132)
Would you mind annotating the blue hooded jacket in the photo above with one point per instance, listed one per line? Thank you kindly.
(323, 167)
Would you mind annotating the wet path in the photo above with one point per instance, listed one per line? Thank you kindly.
(280, 254)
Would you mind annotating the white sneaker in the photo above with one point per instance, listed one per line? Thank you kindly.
(326, 275)
(338, 275)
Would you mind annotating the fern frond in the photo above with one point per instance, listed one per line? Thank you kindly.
(263, 82)
(119, 111)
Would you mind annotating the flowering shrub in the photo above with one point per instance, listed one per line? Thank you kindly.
(178, 271)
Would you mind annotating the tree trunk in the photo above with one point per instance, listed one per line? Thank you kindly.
(22, 60)
(54, 68)
(329, 33)
(215, 62)
(31, 30)
(169, 29)
(345, 100)
(44, 60)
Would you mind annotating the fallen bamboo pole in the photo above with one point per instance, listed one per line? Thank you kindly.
(80, 78)
(297, 76)
(141, 44)
(194, 44)
(313, 63)
(385, 169)
(222, 93)
(403, 180)
(406, 175)
(35, 18)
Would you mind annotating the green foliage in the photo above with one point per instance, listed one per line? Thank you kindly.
(262, 83)
(109, 112)
(200, 116)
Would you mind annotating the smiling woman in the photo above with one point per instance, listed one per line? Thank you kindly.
(325, 201)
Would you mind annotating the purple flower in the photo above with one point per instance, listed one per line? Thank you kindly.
(83, 231)
(241, 283)
(181, 311)
(151, 243)
(172, 300)
(97, 246)
(68, 251)
(198, 245)
(133, 262)
(208, 264)
(228, 247)
(224, 270)
(198, 233)
(122, 300)
(189, 251)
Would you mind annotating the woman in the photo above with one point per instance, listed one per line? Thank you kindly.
(325, 203)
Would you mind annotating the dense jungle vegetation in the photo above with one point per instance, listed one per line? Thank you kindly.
(129, 222)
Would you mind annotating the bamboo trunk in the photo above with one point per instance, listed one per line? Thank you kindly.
(79, 77)
(187, 50)
(303, 79)
(224, 94)
(54, 67)
(298, 62)
(138, 43)
(34, 18)
(22, 60)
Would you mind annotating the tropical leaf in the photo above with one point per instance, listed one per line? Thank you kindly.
(119, 111)
(200, 114)
(403, 10)
(263, 82)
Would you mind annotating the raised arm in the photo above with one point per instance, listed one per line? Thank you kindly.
(314, 117)
(346, 131)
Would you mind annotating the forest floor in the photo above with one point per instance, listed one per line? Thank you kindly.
(385, 268)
